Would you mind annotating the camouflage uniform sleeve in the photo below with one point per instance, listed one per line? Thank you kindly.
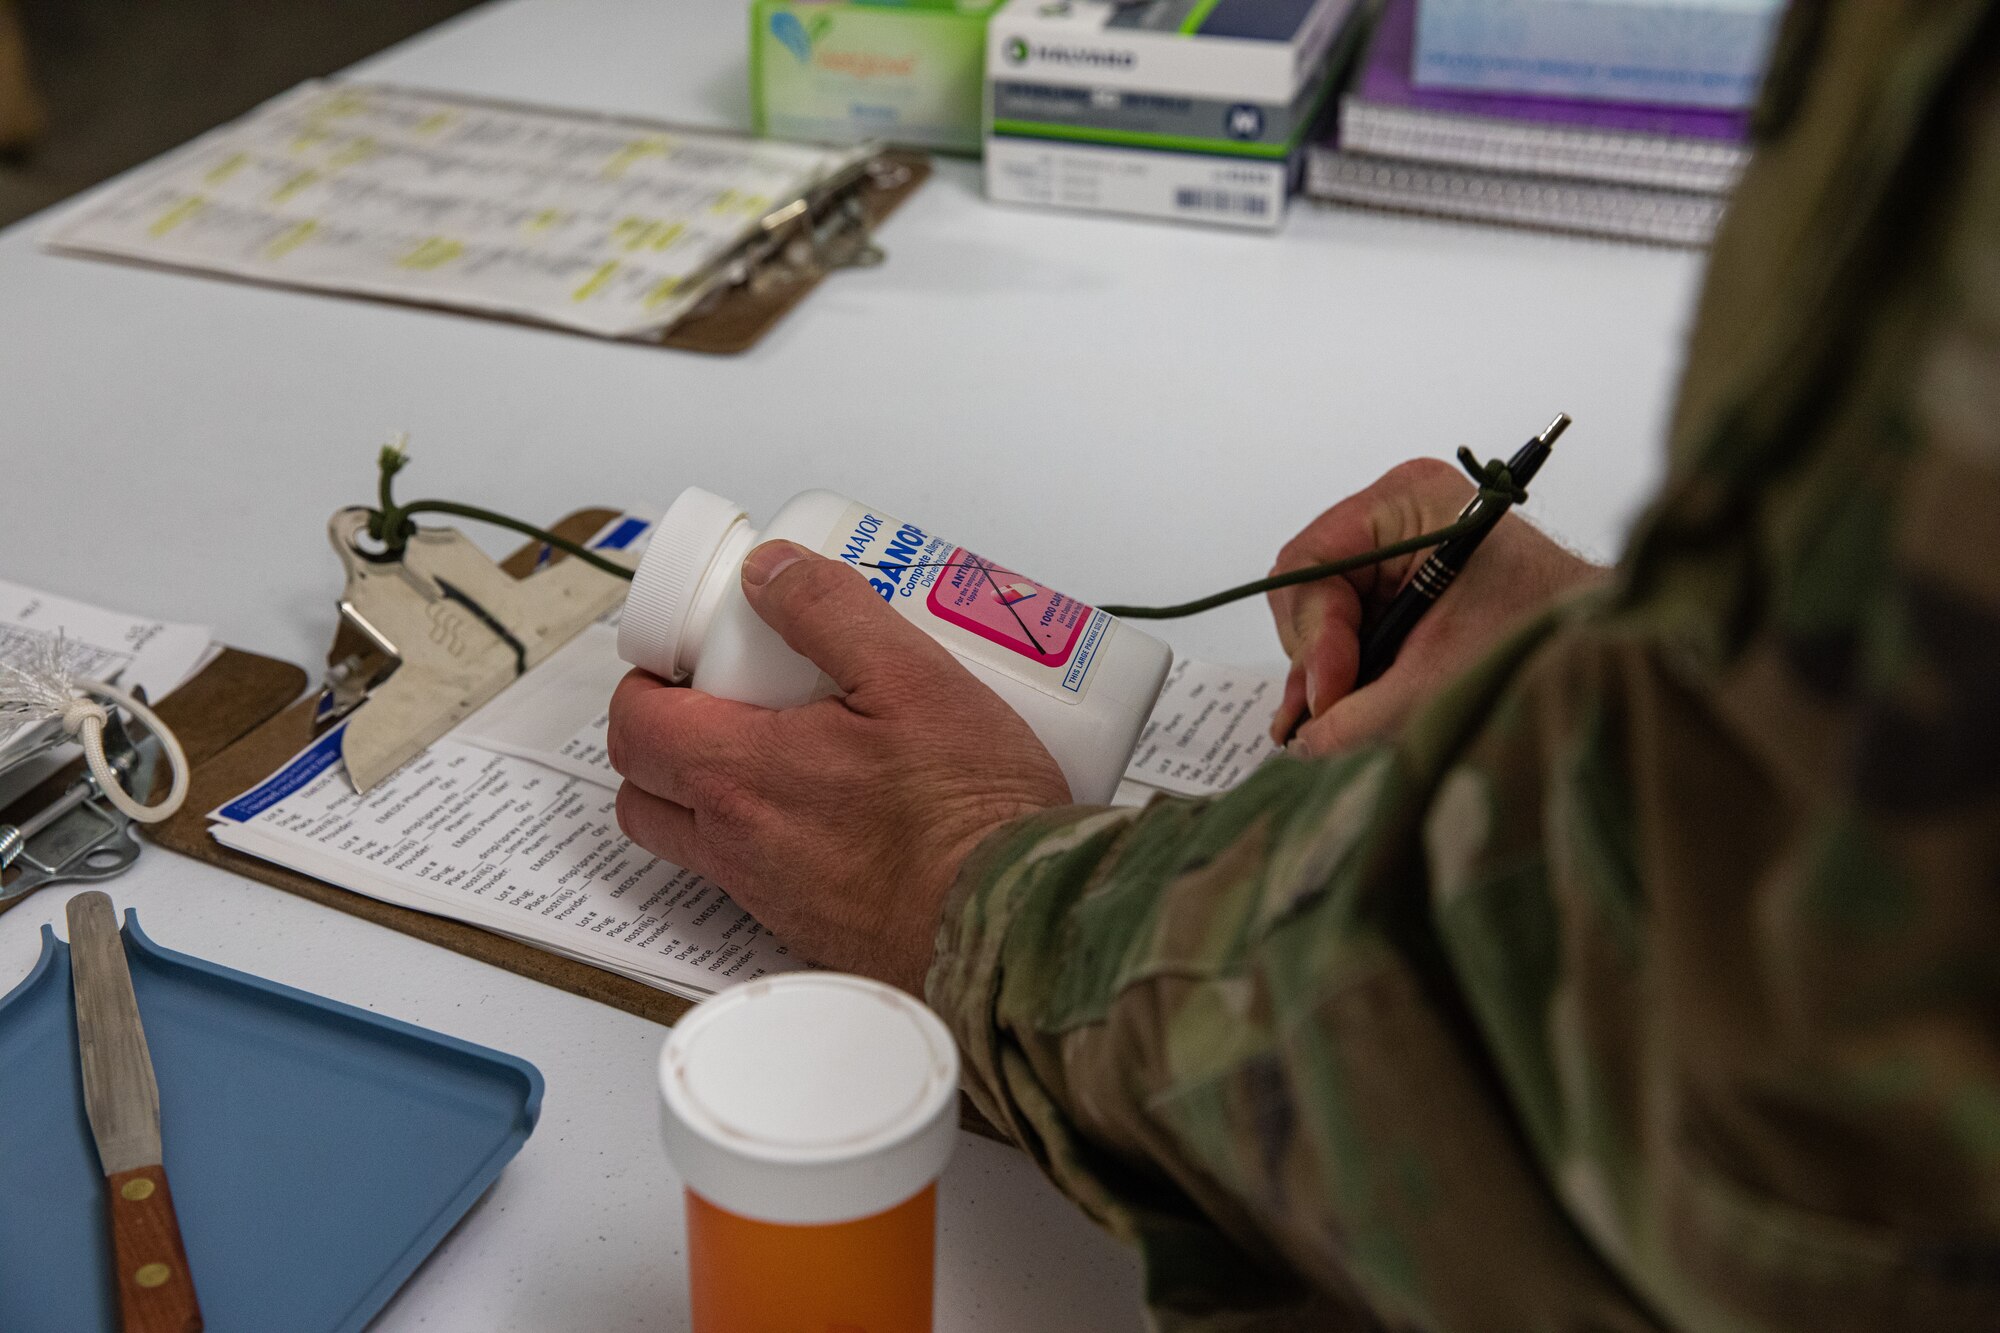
(1649, 978)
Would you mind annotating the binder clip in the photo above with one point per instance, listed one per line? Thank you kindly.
(428, 635)
(80, 834)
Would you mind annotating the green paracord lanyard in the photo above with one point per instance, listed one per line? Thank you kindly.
(391, 525)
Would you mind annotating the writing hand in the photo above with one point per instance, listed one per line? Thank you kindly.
(1517, 571)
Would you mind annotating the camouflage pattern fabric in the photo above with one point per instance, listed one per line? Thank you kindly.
(1651, 977)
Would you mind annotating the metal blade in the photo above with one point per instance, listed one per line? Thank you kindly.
(119, 1093)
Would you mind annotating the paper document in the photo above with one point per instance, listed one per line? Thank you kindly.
(156, 655)
(613, 227)
(1209, 731)
(507, 844)
(510, 822)
(559, 713)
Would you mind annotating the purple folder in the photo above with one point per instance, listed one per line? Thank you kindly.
(1385, 81)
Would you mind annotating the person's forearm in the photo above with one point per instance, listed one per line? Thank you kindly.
(1207, 1019)
(1022, 956)
(1514, 1025)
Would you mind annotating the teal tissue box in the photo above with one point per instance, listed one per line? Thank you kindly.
(908, 73)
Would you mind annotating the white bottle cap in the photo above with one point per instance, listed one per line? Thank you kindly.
(662, 599)
(809, 1098)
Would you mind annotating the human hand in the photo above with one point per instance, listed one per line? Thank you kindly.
(841, 823)
(1517, 571)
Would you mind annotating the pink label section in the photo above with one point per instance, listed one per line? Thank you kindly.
(1007, 608)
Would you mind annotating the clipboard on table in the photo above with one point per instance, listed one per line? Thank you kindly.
(611, 226)
(244, 716)
(251, 756)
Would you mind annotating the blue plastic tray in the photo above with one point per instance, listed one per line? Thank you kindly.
(317, 1152)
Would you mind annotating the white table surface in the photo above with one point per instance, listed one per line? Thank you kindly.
(1143, 411)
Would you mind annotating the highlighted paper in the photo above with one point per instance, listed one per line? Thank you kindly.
(605, 226)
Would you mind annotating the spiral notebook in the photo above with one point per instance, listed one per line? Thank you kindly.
(1628, 172)
(1622, 212)
(1667, 148)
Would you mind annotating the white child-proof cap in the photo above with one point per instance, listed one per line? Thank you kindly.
(662, 601)
(809, 1098)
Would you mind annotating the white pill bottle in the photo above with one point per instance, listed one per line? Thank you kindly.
(1084, 681)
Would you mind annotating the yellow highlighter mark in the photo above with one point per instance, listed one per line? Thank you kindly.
(662, 292)
(432, 252)
(343, 103)
(359, 151)
(657, 145)
(636, 233)
(594, 284)
(724, 202)
(434, 122)
(290, 239)
(312, 137)
(543, 220)
(294, 185)
(226, 168)
(176, 215)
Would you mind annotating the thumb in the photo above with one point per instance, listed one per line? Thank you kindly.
(828, 613)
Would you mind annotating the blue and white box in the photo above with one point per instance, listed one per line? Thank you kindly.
(1195, 110)
(1703, 53)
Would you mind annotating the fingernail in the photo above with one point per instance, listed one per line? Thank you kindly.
(1312, 688)
(762, 565)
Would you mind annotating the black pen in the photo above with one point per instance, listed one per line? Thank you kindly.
(1379, 649)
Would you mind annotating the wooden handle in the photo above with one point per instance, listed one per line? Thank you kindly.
(155, 1289)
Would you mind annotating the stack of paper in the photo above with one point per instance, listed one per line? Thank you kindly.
(1622, 169)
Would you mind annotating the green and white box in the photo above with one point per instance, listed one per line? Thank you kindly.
(905, 71)
(1195, 110)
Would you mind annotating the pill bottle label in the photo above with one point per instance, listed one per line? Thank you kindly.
(984, 612)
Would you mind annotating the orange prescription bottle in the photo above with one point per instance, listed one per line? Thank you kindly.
(809, 1116)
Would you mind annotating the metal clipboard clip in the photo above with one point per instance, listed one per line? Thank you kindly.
(825, 228)
(79, 835)
(428, 636)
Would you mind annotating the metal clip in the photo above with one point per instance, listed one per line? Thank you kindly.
(430, 635)
(826, 229)
(79, 835)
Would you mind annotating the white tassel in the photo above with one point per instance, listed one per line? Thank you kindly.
(48, 682)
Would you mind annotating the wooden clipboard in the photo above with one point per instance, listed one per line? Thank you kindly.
(764, 280)
(244, 716)
(258, 751)
(746, 312)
